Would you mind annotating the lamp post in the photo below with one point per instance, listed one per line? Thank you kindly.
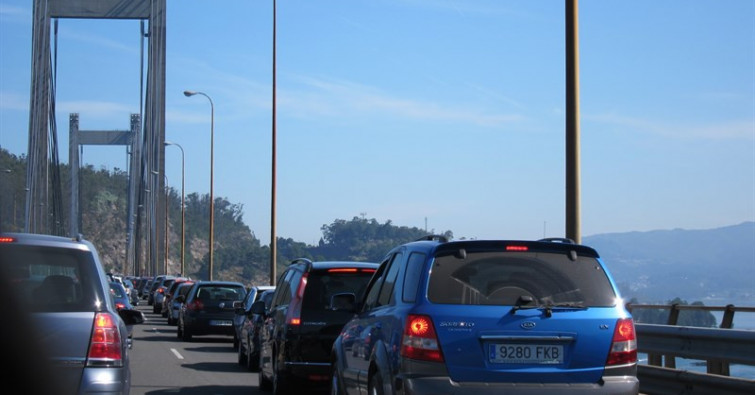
(212, 161)
(166, 223)
(166, 219)
(183, 216)
(273, 224)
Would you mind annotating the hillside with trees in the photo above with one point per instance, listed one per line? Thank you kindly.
(238, 254)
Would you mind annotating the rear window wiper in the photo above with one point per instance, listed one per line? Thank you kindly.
(563, 305)
(522, 301)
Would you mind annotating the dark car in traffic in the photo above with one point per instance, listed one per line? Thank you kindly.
(122, 301)
(242, 307)
(177, 300)
(249, 332)
(208, 309)
(311, 303)
(83, 337)
(488, 317)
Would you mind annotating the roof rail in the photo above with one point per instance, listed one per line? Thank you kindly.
(563, 240)
(438, 238)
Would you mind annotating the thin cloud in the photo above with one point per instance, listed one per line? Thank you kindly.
(726, 130)
(14, 101)
(343, 97)
(310, 97)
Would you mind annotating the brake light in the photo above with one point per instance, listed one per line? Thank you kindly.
(293, 316)
(7, 239)
(105, 346)
(343, 270)
(120, 306)
(420, 340)
(195, 305)
(517, 248)
(624, 344)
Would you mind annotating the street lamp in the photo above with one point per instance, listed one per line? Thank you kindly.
(212, 161)
(166, 218)
(183, 216)
(166, 223)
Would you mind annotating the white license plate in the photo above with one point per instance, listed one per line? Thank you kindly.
(526, 353)
(221, 323)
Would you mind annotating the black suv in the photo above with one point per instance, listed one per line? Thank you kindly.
(312, 302)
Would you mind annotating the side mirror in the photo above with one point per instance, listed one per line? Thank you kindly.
(131, 317)
(343, 302)
(258, 307)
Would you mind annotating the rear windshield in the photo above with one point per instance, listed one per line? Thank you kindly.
(322, 285)
(220, 293)
(496, 278)
(49, 279)
(117, 291)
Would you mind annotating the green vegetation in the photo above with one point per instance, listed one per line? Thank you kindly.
(238, 254)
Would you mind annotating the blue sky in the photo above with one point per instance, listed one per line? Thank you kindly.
(443, 114)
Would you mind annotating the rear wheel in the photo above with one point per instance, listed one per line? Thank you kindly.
(185, 333)
(335, 382)
(252, 358)
(179, 329)
(265, 383)
(241, 355)
(376, 385)
(280, 386)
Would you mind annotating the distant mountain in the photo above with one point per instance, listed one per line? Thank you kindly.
(716, 266)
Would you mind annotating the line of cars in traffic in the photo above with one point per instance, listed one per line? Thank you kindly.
(440, 316)
(433, 316)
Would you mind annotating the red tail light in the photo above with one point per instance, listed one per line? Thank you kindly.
(7, 239)
(624, 344)
(120, 306)
(294, 310)
(517, 248)
(196, 304)
(105, 346)
(420, 341)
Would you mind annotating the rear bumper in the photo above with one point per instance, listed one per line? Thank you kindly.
(106, 381)
(205, 326)
(435, 385)
(312, 373)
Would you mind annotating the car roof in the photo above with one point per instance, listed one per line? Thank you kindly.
(219, 282)
(440, 247)
(47, 240)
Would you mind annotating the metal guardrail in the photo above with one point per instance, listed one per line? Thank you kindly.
(718, 347)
